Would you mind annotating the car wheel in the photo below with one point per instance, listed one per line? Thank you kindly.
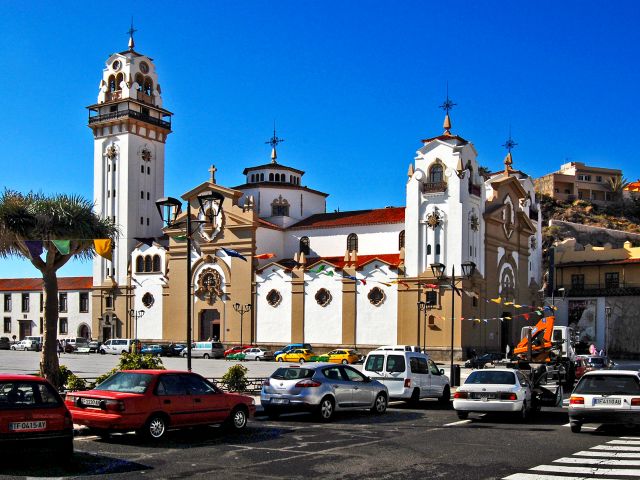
(414, 401)
(380, 404)
(345, 362)
(326, 409)
(301, 360)
(523, 415)
(258, 359)
(445, 398)
(102, 352)
(279, 359)
(462, 415)
(237, 419)
(206, 355)
(576, 427)
(155, 428)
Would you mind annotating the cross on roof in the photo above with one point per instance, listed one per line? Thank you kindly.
(509, 144)
(448, 103)
(131, 31)
(212, 171)
(274, 141)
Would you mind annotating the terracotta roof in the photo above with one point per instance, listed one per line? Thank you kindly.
(392, 259)
(589, 263)
(35, 284)
(356, 217)
(269, 224)
(445, 137)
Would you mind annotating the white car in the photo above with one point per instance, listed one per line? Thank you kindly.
(255, 353)
(605, 396)
(22, 345)
(494, 390)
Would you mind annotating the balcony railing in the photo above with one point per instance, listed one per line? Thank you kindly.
(622, 289)
(434, 187)
(131, 114)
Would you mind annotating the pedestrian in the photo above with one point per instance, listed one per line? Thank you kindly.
(60, 349)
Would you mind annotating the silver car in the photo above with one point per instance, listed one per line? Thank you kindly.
(322, 389)
(255, 353)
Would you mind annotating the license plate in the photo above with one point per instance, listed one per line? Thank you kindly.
(91, 402)
(28, 426)
(607, 401)
(280, 400)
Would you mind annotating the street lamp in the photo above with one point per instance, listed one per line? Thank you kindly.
(607, 317)
(439, 269)
(169, 209)
(241, 309)
(423, 307)
(135, 315)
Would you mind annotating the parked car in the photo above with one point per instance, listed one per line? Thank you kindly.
(116, 346)
(94, 346)
(343, 356)
(480, 361)
(33, 416)
(5, 343)
(292, 346)
(178, 348)
(494, 390)
(206, 350)
(76, 344)
(152, 401)
(236, 349)
(22, 345)
(322, 389)
(36, 342)
(582, 366)
(256, 353)
(408, 374)
(151, 350)
(596, 362)
(605, 397)
(299, 355)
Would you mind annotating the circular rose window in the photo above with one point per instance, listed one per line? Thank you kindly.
(147, 300)
(274, 298)
(376, 296)
(323, 297)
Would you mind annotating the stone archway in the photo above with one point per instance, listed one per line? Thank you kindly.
(209, 324)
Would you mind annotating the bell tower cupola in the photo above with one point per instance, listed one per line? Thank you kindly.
(130, 128)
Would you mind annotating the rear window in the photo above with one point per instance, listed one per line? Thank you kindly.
(608, 384)
(217, 345)
(396, 363)
(126, 382)
(21, 394)
(491, 377)
(375, 363)
(285, 373)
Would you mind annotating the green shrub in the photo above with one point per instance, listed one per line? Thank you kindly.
(236, 378)
(133, 361)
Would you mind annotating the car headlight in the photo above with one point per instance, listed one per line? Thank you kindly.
(253, 401)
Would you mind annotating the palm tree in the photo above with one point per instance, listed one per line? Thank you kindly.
(35, 216)
(617, 185)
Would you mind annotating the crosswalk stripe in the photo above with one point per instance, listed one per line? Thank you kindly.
(622, 448)
(630, 438)
(625, 442)
(607, 454)
(537, 476)
(599, 461)
(628, 472)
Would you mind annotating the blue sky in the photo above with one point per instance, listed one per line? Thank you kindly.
(352, 85)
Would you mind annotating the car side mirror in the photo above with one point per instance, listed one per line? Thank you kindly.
(441, 371)
(367, 379)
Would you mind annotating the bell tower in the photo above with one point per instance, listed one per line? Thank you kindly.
(130, 129)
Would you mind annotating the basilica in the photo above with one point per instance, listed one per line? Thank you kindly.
(271, 266)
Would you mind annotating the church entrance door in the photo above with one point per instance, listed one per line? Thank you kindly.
(209, 324)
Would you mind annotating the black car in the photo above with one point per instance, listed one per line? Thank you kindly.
(94, 346)
(479, 361)
(171, 350)
(5, 343)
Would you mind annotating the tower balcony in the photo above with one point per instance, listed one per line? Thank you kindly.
(108, 117)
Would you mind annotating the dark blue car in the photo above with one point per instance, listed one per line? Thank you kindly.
(151, 350)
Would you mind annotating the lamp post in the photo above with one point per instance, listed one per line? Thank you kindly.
(169, 209)
(135, 315)
(423, 307)
(439, 269)
(607, 317)
(241, 309)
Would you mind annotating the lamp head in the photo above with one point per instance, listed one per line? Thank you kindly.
(468, 269)
(169, 208)
(210, 203)
(438, 270)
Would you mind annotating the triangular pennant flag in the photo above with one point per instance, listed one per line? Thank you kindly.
(328, 273)
(148, 241)
(350, 277)
(496, 300)
(519, 306)
(508, 303)
(103, 247)
(233, 253)
(318, 270)
(265, 256)
(180, 238)
(62, 246)
(431, 285)
(383, 283)
(35, 247)
(364, 282)
(526, 316)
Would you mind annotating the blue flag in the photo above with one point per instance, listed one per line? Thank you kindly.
(233, 253)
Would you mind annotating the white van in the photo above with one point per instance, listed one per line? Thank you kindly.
(408, 374)
(116, 346)
(36, 342)
(206, 350)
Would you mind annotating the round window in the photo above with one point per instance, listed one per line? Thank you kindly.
(144, 67)
(147, 300)
(274, 298)
(116, 65)
(376, 296)
(323, 297)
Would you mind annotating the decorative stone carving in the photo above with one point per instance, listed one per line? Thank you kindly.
(376, 296)
(323, 297)
(209, 285)
(145, 154)
(474, 222)
(274, 298)
(111, 152)
(434, 220)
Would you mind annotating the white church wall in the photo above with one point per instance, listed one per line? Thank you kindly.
(376, 325)
(274, 323)
(323, 325)
(269, 240)
(149, 326)
(302, 203)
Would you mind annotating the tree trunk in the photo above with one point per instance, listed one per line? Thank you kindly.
(49, 364)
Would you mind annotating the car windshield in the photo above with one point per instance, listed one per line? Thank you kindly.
(126, 382)
(491, 377)
(25, 395)
(285, 373)
(599, 361)
(608, 385)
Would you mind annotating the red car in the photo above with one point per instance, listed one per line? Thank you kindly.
(153, 401)
(236, 349)
(33, 415)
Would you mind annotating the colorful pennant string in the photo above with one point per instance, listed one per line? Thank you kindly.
(103, 247)
(265, 256)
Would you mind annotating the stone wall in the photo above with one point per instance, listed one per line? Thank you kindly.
(596, 236)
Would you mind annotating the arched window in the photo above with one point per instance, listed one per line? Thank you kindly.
(262, 177)
(435, 173)
(305, 246)
(139, 81)
(253, 177)
(280, 207)
(401, 240)
(428, 249)
(352, 242)
(147, 263)
(156, 263)
(437, 249)
(271, 177)
(290, 178)
(277, 177)
(119, 80)
(112, 83)
(140, 264)
(148, 85)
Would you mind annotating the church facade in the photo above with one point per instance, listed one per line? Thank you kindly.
(297, 272)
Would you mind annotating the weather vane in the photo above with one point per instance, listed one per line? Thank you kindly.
(509, 144)
(274, 141)
(448, 103)
(131, 32)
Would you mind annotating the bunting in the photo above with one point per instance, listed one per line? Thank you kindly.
(34, 247)
(103, 247)
(496, 300)
(265, 256)
(233, 253)
(318, 270)
(63, 246)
